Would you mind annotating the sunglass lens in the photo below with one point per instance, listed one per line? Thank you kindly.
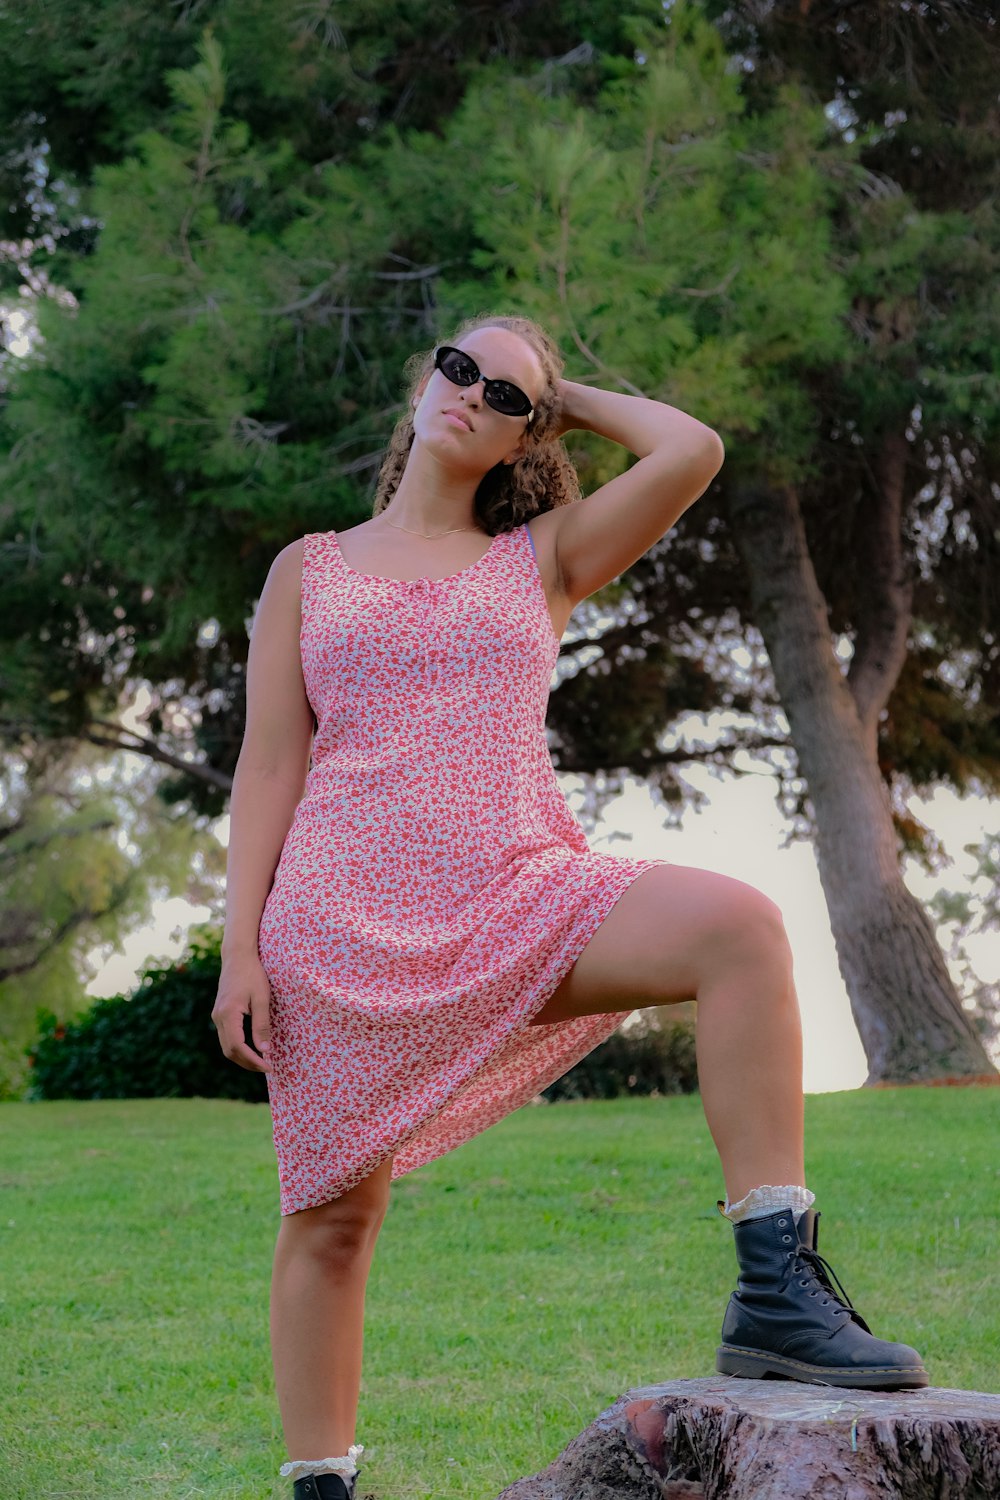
(458, 367)
(506, 398)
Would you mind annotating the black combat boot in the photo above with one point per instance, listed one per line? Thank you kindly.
(323, 1487)
(786, 1320)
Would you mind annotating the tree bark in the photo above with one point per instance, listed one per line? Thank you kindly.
(885, 609)
(731, 1439)
(908, 1014)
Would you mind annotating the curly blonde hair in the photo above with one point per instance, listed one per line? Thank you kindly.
(508, 494)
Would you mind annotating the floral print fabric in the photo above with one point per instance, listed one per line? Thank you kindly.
(434, 886)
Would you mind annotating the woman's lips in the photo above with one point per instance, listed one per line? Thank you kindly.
(450, 417)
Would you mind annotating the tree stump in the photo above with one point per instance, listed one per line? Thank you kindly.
(727, 1438)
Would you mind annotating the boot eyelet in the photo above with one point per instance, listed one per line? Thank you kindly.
(781, 1225)
(803, 1283)
(786, 1239)
(814, 1294)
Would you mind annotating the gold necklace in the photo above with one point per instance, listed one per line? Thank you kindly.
(429, 534)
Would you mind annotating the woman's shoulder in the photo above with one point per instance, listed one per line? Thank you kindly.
(303, 549)
(287, 564)
(304, 563)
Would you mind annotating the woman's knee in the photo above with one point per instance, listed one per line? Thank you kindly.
(747, 927)
(341, 1233)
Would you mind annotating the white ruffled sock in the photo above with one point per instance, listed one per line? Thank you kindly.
(761, 1201)
(347, 1466)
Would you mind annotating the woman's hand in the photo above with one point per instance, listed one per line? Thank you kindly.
(565, 421)
(244, 991)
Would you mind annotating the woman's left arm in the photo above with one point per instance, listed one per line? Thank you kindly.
(599, 536)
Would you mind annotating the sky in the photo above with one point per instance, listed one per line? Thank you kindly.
(740, 833)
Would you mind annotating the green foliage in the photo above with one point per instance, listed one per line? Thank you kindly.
(240, 220)
(320, 76)
(612, 223)
(228, 374)
(87, 845)
(159, 1042)
(251, 266)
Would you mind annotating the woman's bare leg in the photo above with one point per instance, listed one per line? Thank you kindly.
(321, 1263)
(748, 1042)
(680, 933)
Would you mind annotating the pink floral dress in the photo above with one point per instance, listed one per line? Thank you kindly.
(434, 886)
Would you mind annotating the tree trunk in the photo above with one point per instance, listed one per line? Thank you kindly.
(732, 1439)
(908, 1014)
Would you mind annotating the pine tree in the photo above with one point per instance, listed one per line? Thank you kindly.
(690, 229)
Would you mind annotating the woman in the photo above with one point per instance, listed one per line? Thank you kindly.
(439, 942)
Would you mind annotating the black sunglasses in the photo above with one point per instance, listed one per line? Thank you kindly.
(461, 369)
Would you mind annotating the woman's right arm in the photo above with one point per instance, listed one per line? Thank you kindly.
(267, 787)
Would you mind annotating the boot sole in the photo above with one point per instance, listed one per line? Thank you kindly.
(754, 1364)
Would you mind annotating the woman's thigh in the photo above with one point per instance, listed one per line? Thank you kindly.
(671, 929)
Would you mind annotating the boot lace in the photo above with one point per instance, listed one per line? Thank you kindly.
(821, 1273)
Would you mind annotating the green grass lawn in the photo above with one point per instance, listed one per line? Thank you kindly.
(520, 1284)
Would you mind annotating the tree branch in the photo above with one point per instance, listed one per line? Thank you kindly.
(117, 738)
(712, 754)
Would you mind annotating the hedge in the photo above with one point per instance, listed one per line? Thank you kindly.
(160, 1042)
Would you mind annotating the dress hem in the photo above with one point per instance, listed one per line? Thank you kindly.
(595, 1029)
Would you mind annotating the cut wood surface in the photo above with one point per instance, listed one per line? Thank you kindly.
(725, 1438)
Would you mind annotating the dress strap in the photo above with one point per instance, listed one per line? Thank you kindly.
(317, 562)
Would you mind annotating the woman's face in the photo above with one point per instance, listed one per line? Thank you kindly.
(491, 437)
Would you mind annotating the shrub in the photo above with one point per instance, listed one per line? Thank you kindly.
(159, 1042)
(657, 1056)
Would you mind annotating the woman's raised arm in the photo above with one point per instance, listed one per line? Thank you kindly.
(597, 537)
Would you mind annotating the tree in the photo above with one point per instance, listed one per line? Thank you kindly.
(85, 845)
(814, 245)
(686, 236)
(921, 411)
